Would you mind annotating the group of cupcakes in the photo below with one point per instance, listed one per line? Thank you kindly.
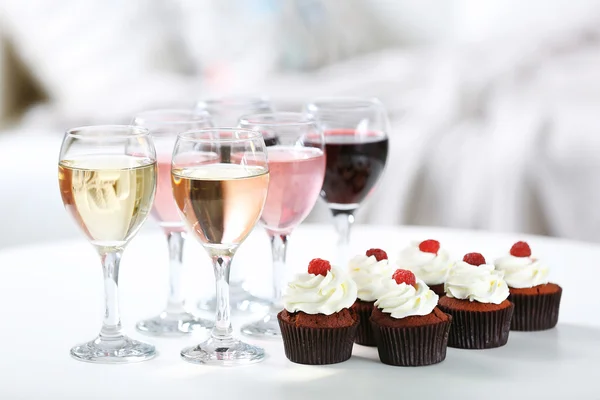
(416, 309)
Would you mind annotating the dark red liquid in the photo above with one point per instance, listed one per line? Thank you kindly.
(226, 150)
(271, 141)
(353, 166)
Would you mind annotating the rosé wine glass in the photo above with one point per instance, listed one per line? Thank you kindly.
(221, 202)
(164, 126)
(356, 148)
(226, 111)
(297, 168)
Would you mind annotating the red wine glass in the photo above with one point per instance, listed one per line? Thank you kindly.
(356, 150)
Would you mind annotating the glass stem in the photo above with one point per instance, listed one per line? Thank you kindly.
(222, 329)
(278, 248)
(343, 221)
(111, 326)
(176, 303)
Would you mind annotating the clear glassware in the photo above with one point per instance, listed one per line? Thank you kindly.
(296, 169)
(356, 149)
(164, 126)
(226, 111)
(107, 180)
(220, 183)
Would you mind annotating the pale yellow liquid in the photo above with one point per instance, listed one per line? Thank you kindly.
(109, 196)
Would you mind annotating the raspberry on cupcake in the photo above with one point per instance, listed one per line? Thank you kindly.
(476, 297)
(536, 301)
(317, 325)
(428, 261)
(408, 327)
(367, 271)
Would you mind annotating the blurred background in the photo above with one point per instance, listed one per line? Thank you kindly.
(494, 104)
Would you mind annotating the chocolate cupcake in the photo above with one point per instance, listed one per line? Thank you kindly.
(428, 261)
(476, 298)
(317, 325)
(409, 329)
(367, 271)
(536, 301)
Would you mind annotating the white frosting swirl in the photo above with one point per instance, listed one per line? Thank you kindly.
(367, 272)
(482, 283)
(318, 294)
(522, 272)
(431, 268)
(402, 300)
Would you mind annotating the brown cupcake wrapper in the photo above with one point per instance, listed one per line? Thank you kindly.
(535, 312)
(412, 346)
(479, 329)
(364, 333)
(317, 346)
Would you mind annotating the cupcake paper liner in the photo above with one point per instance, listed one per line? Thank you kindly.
(364, 333)
(479, 329)
(317, 346)
(535, 312)
(412, 346)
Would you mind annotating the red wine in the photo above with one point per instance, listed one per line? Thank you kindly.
(354, 163)
(226, 150)
(271, 141)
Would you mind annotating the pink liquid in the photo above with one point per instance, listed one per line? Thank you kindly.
(296, 177)
(165, 209)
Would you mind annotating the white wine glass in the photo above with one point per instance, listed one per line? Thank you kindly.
(164, 126)
(220, 183)
(296, 171)
(226, 111)
(107, 180)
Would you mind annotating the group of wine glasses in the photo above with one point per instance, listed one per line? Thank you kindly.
(215, 171)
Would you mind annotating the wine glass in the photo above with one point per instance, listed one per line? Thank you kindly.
(226, 111)
(164, 126)
(296, 169)
(107, 180)
(221, 199)
(356, 149)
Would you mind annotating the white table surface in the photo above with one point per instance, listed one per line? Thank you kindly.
(52, 298)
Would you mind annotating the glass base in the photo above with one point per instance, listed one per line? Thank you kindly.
(118, 350)
(240, 299)
(267, 327)
(223, 352)
(173, 324)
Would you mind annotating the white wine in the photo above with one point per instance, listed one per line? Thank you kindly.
(109, 196)
(221, 202)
